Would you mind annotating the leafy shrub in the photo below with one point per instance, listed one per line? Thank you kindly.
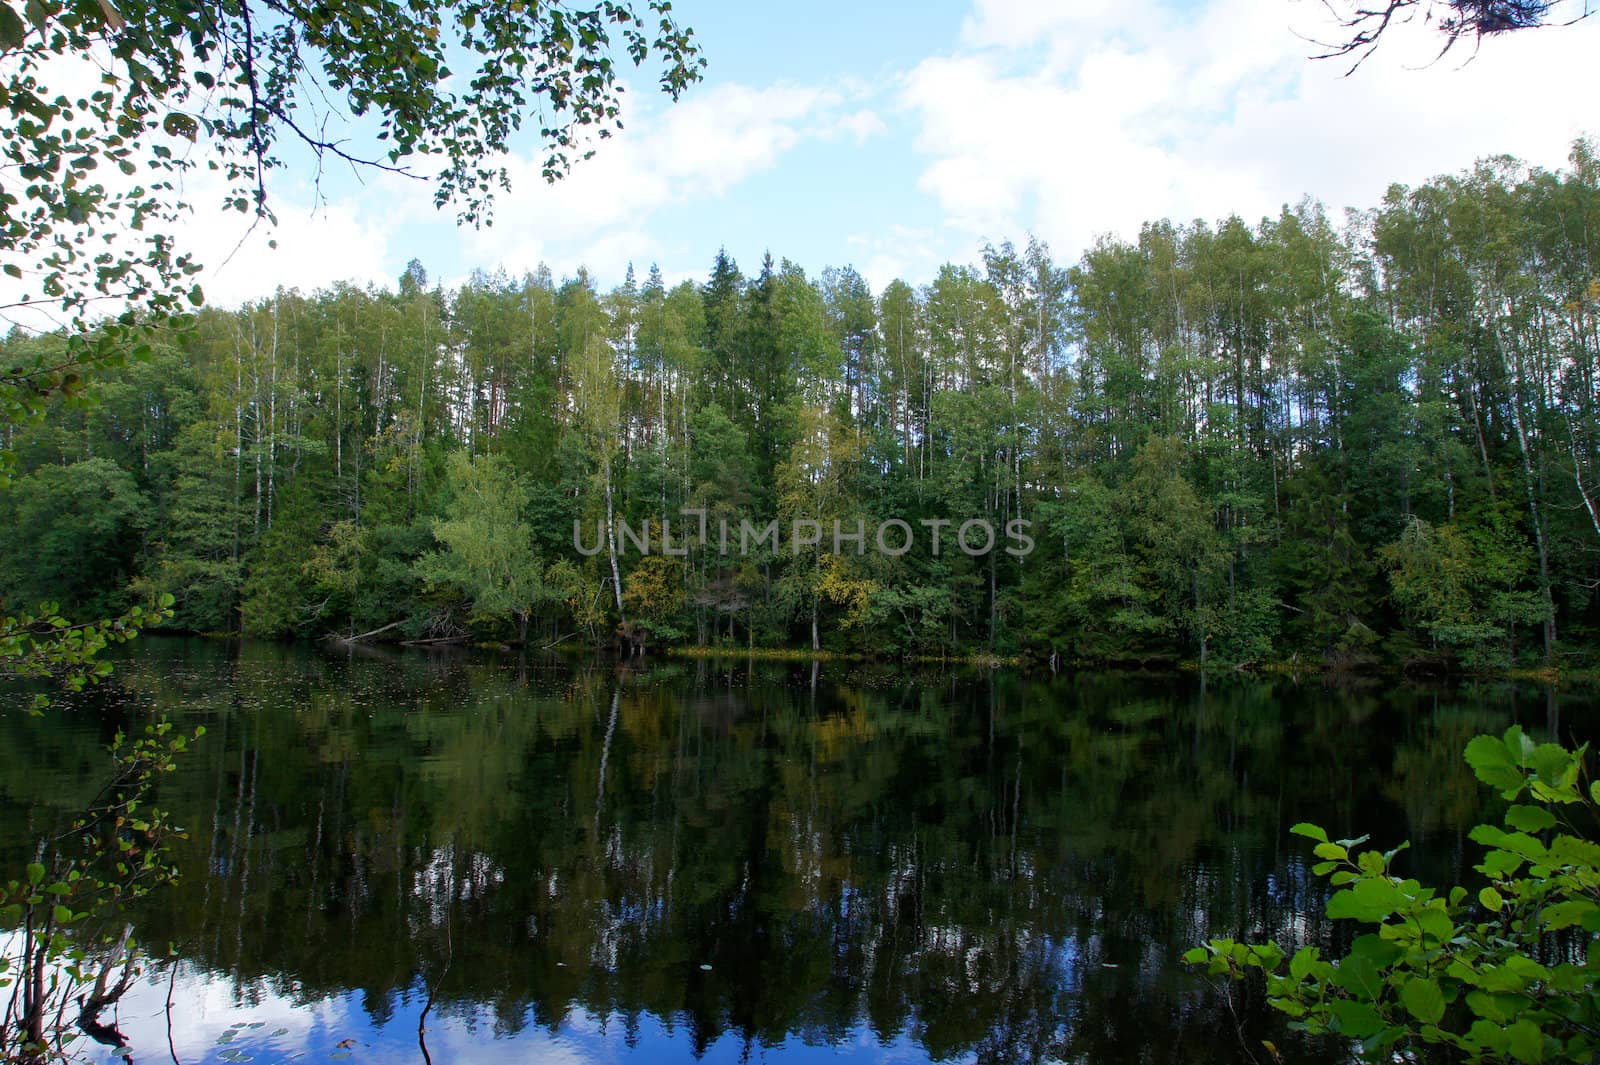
(1505, 974)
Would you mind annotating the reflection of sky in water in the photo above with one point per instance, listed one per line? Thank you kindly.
(211, 1025)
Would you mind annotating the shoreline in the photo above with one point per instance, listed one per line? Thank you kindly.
(1540, 674)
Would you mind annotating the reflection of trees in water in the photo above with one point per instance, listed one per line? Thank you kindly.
(993, 866)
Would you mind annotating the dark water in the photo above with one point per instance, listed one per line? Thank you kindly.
(737, 862)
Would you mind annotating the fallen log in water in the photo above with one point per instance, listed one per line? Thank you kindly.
(353, 639)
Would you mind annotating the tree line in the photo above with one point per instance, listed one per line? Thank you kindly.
(1347, 441)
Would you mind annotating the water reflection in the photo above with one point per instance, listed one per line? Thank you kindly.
(741, 862)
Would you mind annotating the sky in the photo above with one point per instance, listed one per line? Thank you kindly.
(896, 137)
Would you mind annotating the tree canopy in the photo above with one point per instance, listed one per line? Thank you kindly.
(109, 105)
(1232, 442)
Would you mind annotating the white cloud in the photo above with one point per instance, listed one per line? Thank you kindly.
(1066, 118)
(694, 151)
(1072, 119)
(343, 240)
(689, 154)
(1346, 139)
(860, 125)
(316, 247)
(1019, 24)
(906, 253)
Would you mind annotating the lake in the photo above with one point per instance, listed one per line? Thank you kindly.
(562, 861)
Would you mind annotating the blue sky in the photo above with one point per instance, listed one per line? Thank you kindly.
(895, 137)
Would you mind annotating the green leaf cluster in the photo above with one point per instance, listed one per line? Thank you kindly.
(1506, 974)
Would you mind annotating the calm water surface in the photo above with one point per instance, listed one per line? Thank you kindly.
(730, 862)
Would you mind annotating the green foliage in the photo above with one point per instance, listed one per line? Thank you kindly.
(83, 527)
(280, 596)
(448, 85)
(1234, 444)
(1106, 598)
(1324, 570)
(653, 594)
(65, 923)
(1465, 584)
(488, 554)
(1505, 974)
(231, 80)
(46, 646)
(196, 549)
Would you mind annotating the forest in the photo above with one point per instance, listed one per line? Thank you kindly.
(1368, 440)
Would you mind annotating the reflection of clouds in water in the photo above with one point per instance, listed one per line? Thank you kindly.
(209, 1020)
(584, 1039)
(452, 1041)
(213, 1025)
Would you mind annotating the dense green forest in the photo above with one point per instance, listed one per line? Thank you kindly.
(1367, 440)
